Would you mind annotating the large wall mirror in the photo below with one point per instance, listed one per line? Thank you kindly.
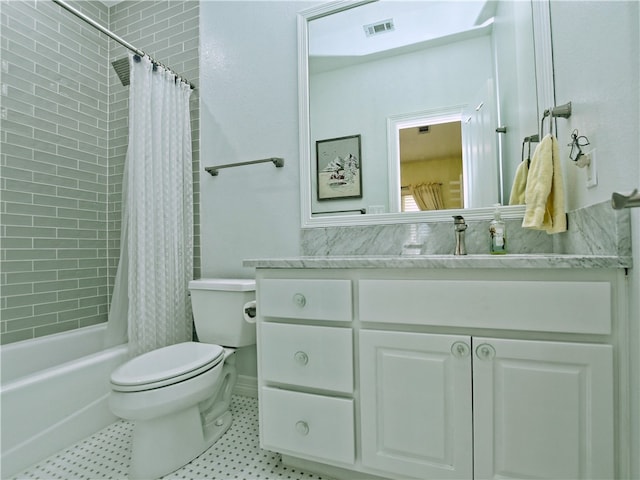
(414, 111)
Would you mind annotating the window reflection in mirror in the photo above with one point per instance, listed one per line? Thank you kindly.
(431, 167)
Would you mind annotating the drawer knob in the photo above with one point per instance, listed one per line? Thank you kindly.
(460, 349)
(301, 358)
(485, 351)
(299, 300)
(302, 428)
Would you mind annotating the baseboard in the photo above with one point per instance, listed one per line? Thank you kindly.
(246, 386)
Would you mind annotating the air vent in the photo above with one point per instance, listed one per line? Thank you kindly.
(379, 27)
(423, 129)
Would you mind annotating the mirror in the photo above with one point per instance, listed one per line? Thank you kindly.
(375, 69)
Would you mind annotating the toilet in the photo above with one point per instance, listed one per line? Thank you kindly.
(178, 397)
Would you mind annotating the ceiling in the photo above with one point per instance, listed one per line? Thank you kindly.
(443, 140)
(414, 21)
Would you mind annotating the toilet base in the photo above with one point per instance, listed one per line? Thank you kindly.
(163, 445)
(166, 444)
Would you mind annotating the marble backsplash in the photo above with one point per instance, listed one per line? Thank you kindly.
(594, 230)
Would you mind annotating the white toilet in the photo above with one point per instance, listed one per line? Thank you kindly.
(178, 396)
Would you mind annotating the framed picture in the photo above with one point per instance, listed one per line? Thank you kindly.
(339, 168)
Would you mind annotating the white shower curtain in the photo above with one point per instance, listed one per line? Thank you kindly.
(156, 259)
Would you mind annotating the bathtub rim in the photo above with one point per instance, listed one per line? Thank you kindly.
(20, 355)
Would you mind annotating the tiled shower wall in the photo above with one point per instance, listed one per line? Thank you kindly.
(63, 143)
(54, 169)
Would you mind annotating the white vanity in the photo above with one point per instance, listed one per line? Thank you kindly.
(440, 367)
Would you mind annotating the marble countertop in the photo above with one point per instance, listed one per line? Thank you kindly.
(446, 261)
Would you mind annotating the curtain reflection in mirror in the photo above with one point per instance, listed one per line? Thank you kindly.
(428, 196)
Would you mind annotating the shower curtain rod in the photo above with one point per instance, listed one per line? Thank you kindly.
(115, 37)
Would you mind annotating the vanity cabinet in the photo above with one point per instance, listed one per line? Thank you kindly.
(441, 406)
(437, 374)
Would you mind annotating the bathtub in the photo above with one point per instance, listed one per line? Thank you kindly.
(54, 393)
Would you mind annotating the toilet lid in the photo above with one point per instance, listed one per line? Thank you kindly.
(166, 366)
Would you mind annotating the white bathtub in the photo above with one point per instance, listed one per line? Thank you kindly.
(54, 393)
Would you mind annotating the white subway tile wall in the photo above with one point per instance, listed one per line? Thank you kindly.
(64, 135)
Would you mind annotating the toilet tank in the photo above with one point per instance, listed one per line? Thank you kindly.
(218, 310)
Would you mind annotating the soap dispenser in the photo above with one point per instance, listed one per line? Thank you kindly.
(497, 233)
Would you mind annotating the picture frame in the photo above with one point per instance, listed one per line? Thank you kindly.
(339, 168)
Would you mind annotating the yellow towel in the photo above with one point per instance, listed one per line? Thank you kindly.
(519, 184)
(544, 195)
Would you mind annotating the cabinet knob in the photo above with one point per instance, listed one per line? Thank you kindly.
(300, 300)
(301, 358)
(485, 351)
(302, 428)
(460, 349)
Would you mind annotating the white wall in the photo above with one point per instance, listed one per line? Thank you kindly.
(595, 48)
(249, 111)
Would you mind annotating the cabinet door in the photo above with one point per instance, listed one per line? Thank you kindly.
(415, 403)
(542, 409)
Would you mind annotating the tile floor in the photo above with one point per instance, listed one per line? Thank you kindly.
(237, 455)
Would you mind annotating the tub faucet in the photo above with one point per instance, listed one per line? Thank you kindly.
(460, 227)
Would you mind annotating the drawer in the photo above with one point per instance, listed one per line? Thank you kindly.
(305, 299)
(546, 306)
(314, 425)
(308, 356)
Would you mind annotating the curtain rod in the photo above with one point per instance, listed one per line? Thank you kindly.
(113, 36)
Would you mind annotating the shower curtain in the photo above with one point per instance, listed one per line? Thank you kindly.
(150, 300)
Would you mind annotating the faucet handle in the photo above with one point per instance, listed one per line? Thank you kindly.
(458, 221)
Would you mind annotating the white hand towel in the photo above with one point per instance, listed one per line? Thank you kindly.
(544, 195)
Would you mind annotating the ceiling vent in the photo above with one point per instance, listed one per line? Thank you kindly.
(379, 27)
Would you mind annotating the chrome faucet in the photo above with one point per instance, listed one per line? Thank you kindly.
(460, 227)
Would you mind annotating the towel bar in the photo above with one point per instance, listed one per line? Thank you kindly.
(360, 210)
(620, 201)
(278, 162)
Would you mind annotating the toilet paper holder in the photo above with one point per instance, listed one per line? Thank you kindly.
(249, 310)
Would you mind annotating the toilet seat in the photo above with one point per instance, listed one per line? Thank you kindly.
(166, 366)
